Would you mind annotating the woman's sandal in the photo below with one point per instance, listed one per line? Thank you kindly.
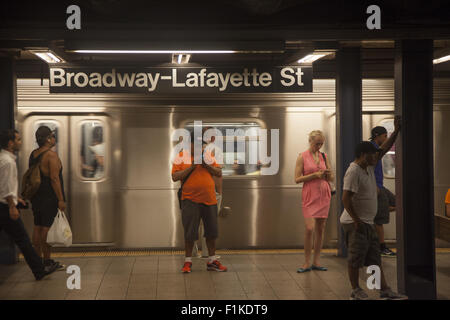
(303, 270)
(319, 268)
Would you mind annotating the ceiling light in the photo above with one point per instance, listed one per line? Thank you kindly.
(180, 58)
(441, 59)
(310, 58)
(48, 56)
(154, 51)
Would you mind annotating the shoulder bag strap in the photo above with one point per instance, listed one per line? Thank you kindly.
(324, 159)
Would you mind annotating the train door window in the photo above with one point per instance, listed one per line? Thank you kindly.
(53, 126)
(92, 150)
(388, 160)
(243, 158)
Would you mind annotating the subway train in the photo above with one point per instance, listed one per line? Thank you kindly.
(116, 153)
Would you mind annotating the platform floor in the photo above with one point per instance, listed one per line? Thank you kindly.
(250, 276)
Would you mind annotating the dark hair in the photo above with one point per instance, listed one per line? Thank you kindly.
(365, 147)
(42, 134)
(7, 136)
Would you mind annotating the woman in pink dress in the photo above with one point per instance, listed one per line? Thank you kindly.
(312, 168)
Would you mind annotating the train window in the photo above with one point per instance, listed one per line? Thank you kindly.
(388, 160)
(240, 147)
(53, 125)
(92, 150)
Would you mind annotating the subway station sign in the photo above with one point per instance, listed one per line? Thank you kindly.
(183, 80)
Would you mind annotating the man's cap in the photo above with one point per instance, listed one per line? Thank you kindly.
(377, 131)
(365, 147)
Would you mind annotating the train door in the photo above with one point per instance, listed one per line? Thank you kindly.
(92, 187)
(84, 149)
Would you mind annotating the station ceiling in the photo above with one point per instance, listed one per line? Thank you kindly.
(285, 29)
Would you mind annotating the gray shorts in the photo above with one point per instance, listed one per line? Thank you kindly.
(191, 213)
(363, 245)
(385, 199)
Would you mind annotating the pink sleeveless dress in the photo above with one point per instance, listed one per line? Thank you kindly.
(316, 194)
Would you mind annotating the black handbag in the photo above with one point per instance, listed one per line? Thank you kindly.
(180, 191)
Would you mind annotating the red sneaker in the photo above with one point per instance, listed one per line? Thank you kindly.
(186, 267)
(216, 266)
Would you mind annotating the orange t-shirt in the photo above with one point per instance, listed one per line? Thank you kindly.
(200, 186)
(447, 197)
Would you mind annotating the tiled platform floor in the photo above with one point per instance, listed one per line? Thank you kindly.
(249, 276)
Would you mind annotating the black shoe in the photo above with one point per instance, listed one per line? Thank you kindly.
(59, 266)
(386, 252)
(47, 270)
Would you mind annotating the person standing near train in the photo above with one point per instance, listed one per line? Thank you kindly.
(386, 199)
(198, 203)
(360, 208)
(313, 169)
(10, 222)
(50, 195)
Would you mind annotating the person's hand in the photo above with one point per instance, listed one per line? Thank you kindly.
(13, 213)
(327, 174)
(22, 201)
(61, 205)
(397, 123)
(320, 174)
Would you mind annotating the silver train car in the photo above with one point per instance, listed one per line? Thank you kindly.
(116, 152)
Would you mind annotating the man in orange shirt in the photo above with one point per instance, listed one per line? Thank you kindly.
(198, 202)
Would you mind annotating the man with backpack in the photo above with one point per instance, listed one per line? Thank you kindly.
(49, 196)
(10, 142)
(198, 201)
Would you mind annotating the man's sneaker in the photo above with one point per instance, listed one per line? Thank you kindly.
(358, 294)
(187, 267)
(58, 266)
(388, 294)
(386, 252)
(216, 266)
(47, 270)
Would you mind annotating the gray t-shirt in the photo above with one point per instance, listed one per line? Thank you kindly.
(363, 184)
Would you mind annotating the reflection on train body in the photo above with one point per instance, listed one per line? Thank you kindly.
(117, 162)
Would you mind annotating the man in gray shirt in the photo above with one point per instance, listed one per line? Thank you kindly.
(360, 203)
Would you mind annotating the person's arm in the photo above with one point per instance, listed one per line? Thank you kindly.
(348, 205)
(218, 183)
(299, 177)
(6, 174)
(214, 171)
(13, 211)
(54, 168)
(182, 174)
(447, 209)
(330, 176)
(387, 145)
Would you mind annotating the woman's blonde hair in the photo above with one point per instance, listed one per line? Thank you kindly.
(314, 134)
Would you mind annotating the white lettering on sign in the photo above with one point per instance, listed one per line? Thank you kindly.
(290, 78)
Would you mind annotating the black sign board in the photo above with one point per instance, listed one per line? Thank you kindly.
(183, 80)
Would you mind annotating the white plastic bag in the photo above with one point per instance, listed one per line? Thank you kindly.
(60, 232)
